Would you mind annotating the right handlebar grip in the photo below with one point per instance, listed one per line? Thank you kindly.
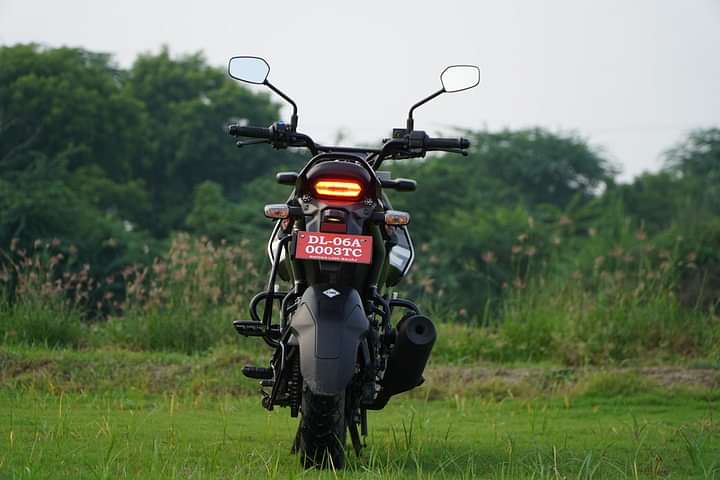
(254, 132)
(447, 143)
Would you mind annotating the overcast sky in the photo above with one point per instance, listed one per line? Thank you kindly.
(631, 76)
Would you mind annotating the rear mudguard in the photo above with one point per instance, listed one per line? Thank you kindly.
(328, 326)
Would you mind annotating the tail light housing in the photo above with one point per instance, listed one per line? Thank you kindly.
(338, 188)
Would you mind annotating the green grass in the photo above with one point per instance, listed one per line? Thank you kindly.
(166, 436)
(122, 414)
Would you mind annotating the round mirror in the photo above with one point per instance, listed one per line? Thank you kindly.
(460, 77)
(249, 69)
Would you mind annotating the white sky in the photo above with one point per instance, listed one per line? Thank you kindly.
(631, 76)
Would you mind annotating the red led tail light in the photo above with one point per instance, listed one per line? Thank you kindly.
(344, 189)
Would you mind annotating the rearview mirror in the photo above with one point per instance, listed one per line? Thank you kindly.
(456, 78)
(255, 70)
(249, 69)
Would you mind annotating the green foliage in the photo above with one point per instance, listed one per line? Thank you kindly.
(187, 300)
(545, 167)
(502, 212)
(41, 322)
(483, 261)
(212, 214)
(697, 156)
(189, 104)
(106, 165)
(69, 103)
(107, 160)
(615, 324)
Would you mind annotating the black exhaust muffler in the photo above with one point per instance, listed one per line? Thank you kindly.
(413, 343)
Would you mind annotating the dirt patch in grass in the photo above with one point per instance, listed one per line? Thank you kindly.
(682, 376)
(219, 373)
(669, 376)
(503, 382)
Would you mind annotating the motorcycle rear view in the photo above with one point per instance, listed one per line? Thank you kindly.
(342, 247)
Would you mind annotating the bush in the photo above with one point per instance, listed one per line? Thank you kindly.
(47, 304)
(50, 323)
(187, 300)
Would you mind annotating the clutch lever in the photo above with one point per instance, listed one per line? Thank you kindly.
(244, 143)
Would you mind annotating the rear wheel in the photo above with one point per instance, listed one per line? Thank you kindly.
(321, 436)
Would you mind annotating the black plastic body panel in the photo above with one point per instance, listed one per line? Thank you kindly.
(329, 324)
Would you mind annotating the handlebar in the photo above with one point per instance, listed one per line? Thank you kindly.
(404, 144)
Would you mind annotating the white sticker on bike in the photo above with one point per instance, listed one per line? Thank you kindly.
(331, 293)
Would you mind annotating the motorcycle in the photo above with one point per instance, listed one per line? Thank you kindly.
(340, 244)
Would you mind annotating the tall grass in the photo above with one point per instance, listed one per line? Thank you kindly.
(187, 300)
(589, 300)
(601, 299)
(612, 306)
(47, 307)
(184, 301)
(567, 323)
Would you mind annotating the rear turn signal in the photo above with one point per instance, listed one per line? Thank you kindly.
(277, 210)
(343, 189)
(396, 217)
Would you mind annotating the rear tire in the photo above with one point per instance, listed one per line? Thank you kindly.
(322, 432)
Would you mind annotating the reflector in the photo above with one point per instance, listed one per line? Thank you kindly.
(336, 188)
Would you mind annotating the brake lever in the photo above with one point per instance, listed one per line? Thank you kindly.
(464, 153)
(245, 143)
(406, 156)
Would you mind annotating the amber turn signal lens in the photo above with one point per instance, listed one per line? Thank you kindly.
(277, 210)
(396, 217)
(345, 189)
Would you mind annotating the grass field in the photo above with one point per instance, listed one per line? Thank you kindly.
(57, 422)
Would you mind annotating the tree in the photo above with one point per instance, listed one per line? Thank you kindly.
(190, 103)
(64, 116)
(696, 160)
(544, 167)
(67, 102)
(653, 199)
(68, 135)
(132, 144)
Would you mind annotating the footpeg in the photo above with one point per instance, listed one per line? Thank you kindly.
(255, 329)
(258, 373)
(249, 329)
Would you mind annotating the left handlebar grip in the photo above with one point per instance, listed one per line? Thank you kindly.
(447, 143)
(255, 132)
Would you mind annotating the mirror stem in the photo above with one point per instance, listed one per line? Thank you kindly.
(294, 117)
(410, 120)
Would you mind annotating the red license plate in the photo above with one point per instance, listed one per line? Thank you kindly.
(333, 247)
